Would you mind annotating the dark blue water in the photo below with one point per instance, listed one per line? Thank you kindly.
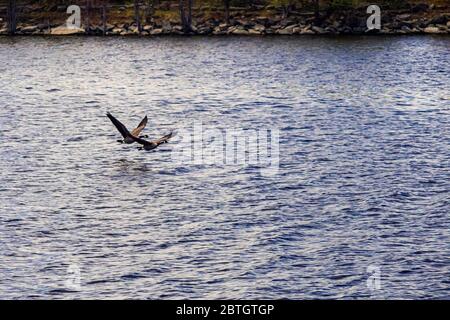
(363, 179)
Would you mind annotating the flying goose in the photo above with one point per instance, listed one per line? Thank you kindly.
(150, 145)
(127, 135)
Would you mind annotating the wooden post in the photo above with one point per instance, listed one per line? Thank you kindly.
(186, 21)
(190, 13)
(136, 15)
(104, 18)
(182, 16)
(88, 4)
(11, 17)
(317, 10)
(227, 11)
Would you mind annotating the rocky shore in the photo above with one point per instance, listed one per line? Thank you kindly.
(414, 21)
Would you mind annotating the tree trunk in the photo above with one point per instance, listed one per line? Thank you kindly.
(186, 18)
(88, 9)
(11, 19)
(190, 12)
(150, 10)
(227, 11)
(104, 18)
(317, 10)
(136, 15)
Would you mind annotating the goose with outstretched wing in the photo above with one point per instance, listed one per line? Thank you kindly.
(127, 135)
(150, 145)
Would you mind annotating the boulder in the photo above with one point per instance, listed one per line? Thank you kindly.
(133, 29)
(421, 7)
(239, 31)
(254, 32)
(156, 32)
(432, 30)
(29, 29)
(442, 19)
(307, 30)
(318, 30)
(259, 27)
(288, 30)
(63, 30)
(404, 16)
(117, 30)
(218, 31)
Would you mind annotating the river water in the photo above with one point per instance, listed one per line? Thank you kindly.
(358, 207)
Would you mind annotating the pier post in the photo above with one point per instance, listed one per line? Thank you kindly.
(136, 15)
(104, 18)
(11, 17)
(88, 5)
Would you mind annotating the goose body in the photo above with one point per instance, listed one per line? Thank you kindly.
(150, 145)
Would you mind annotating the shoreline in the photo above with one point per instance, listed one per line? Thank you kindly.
(244, 23)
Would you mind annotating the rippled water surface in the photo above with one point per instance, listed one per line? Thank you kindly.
(363, 180)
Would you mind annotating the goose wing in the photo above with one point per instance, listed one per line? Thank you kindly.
(163, 138)
(119, 125)
(136, 131)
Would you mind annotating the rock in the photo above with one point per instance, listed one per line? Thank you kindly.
(42, 26)
(442, 19)
(133, 29)
(259, 27)
(288, 30)
(307, 30)
(204, 30)
(254, 32)
(117, 30)
(404, 16)
(422, 7)
(63, 30)
(432, 30)
(194, 29)
(406, 29)
(318, 30)
(156, 32)
(167, 27)
(3, 31)
(29, 29)
(147, 27)
(448, 24)
(386, 31)
(240, 32)
(217, 31)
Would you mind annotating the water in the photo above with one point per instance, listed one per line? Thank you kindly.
(363, 180)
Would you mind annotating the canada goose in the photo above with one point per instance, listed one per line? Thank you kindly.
(127, 135)
(150, 145)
